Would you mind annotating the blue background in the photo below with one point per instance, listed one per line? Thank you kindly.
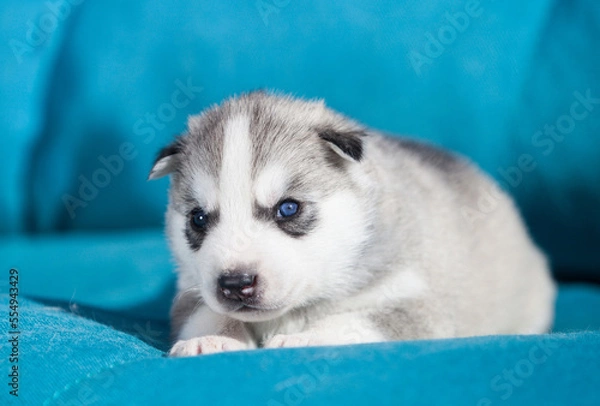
(79, 82)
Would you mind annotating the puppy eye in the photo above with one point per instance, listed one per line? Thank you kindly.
(287, 208)
(199, 219)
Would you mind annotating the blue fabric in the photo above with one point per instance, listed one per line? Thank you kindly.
(83, 357)
(92, 343)
(91, 91)
(130, 272)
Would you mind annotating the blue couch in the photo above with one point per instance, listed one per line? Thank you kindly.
(91, 90)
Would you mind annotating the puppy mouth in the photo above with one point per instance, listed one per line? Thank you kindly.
(250, 308)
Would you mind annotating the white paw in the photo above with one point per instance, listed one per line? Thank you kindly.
(205, 345)
(293, 340)
(343, 336)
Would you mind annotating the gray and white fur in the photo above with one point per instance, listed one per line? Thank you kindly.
(381, 246)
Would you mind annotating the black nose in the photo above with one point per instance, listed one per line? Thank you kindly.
(237, 286)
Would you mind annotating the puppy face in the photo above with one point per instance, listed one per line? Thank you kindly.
(265, 214)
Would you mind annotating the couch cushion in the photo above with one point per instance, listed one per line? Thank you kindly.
(66, 359)
(128, 272)
(104, 332)
(56, 349)
(484, 88)
(476, 371)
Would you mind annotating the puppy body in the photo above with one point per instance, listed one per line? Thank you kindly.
(389, 241)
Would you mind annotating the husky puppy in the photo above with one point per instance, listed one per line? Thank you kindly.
(293, 225)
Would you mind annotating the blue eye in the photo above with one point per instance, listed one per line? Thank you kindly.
(199, 219)
(287, 209)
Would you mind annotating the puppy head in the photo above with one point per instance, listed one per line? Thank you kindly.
(267, 208)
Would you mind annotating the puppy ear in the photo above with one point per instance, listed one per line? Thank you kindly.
(347, 144)
(166, 161)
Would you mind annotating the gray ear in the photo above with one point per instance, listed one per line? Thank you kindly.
(167, 161)
(347, 144)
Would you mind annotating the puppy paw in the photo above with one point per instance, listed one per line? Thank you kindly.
(292, 340)
(205, 345)
(342, 336)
